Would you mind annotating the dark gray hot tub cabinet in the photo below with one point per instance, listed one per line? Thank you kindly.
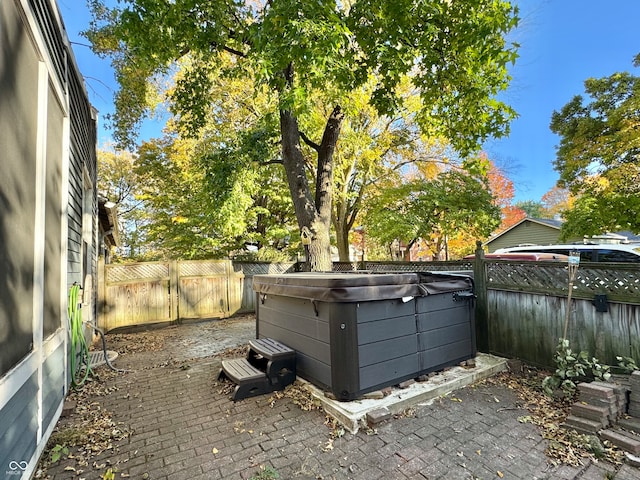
(357, 332)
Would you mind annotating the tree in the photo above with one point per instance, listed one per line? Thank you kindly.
(194, 213)
(503, 192)
(455, 53)
(118, 183)
(598, 157)
(213, 194)
(532, 209)
(373, 148)
(556, 201)
(455, 202)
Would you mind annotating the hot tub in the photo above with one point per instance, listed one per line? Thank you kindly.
(358, 332)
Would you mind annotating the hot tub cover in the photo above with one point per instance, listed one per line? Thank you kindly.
(360, 286)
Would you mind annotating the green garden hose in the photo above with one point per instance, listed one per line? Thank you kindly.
(80, 365)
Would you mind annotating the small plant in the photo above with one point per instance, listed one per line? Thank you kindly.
(627, 364)
(266, 473)
(57, 451)
(572, 366)
(108, 475)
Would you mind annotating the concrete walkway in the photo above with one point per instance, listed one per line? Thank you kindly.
(184, 426)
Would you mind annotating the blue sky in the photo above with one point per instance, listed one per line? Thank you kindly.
(563, 42)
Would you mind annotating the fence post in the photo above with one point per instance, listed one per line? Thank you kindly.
(482, 310)
(174, 292)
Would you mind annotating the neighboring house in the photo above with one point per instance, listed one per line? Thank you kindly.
(537, 231)
(48, 223)
(541, 231)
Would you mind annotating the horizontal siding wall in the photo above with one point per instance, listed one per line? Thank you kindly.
(41, 222)
(526, 232)
(53, 385)
(19, 421)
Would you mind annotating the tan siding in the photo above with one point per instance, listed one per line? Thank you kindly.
(528, 232)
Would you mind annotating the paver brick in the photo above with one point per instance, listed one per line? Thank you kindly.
(179, 420)
(626, 442)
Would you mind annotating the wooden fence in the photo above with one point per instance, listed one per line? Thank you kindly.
(153, 292)
(520, 306)
(133, 294)
(521, 309)
(249, 269)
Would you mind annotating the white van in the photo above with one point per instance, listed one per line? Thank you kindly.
(588, 252)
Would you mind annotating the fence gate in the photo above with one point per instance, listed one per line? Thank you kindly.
(152, 292)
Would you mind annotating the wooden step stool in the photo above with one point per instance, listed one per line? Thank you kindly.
(269, 366)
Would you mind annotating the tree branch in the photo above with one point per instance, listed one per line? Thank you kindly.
(277, 161)
(309, 142)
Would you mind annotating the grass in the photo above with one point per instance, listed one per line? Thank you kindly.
(266, 473)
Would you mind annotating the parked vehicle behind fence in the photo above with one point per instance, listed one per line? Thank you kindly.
(588, 252)
(524, 256)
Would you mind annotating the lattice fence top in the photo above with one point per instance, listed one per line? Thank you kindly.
(418, 266)
(250, 269)
(620, 282)
(136, 271)
(378, 267)
(200, 268)
(616, 283)
(345, 266)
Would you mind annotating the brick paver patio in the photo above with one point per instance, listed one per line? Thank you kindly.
(184, 427)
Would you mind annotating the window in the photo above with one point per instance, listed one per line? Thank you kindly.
(606, 255)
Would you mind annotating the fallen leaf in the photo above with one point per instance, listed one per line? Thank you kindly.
(500, 474)
(215, 451)
(478, 452)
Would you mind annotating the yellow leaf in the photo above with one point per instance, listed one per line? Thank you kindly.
(215, 451)
(478, 452)
(500, 474)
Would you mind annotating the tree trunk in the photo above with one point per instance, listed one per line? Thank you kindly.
(313, 214)
(346, 208)
(342, 241)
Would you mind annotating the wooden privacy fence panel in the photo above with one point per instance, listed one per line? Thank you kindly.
(522, 308)
(528, 326)
(134, 294)
(208, 289)
(249, 269)
(152, 292)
